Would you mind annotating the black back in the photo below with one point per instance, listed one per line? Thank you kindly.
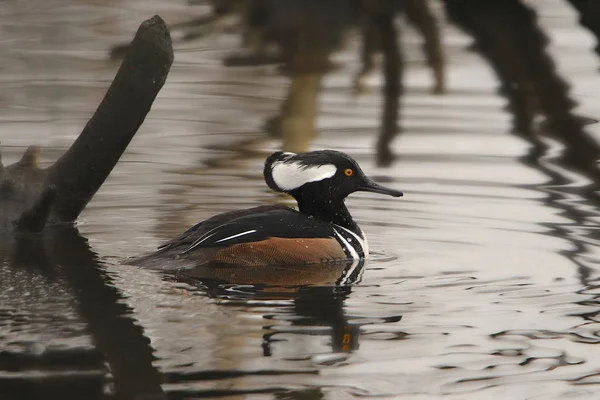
(251, 225)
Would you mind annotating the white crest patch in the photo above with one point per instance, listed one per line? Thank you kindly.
(292, 175)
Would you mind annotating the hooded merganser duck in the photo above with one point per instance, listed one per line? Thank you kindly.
(322, 231)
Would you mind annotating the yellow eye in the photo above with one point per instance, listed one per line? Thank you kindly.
(349, 172)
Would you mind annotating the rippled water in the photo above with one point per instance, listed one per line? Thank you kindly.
(484, 281)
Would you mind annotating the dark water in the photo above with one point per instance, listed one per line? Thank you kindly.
(484, 281)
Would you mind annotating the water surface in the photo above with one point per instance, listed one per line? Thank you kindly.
(484, 279)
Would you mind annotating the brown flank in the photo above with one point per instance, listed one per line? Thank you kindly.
(281, 251)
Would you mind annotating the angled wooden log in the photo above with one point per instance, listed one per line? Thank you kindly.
(31, 197)
(34, 219)
(80, 172)
(25, 198)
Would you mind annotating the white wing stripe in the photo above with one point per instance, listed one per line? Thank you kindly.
(238, 235)
(202, 238)
(198, 242)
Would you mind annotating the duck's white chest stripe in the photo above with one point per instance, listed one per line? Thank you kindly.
(356, 258)
(347, 246)
(361, 245)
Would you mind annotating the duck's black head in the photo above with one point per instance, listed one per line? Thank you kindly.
(327, 175)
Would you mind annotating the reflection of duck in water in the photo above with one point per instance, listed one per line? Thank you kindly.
(317, 310)
(261, 244)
